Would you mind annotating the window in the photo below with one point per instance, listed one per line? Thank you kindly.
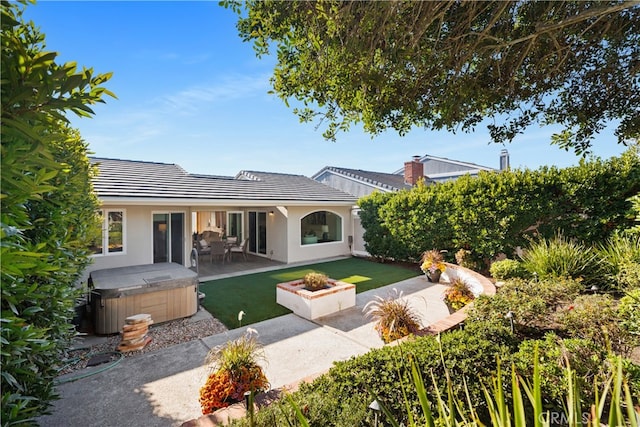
(320, 227)
(109, 235)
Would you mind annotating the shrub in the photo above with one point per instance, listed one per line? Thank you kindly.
(315, 281)
(620, 266)
(234, 371)
(629, 314)
(48, 209)
(560, 257)
(497, 212)
(394, 317)
(341, 396)
(531, 303)
(467, 259)
(507, 269)
(458, 294)
(585, 357)
(595, 318)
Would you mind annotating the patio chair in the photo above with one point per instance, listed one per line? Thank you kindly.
(242, 249)
(218, 248)
(203, 248)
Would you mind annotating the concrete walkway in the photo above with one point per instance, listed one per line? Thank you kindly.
(162, 388)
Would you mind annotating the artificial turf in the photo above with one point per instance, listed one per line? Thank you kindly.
(255, 294)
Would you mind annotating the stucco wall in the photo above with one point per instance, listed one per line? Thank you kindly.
(299, 252)
(277, 235)
(138, 237)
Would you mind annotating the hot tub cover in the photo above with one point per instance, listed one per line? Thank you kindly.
(138, 279)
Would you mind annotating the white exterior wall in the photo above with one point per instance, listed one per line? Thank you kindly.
(299, 252)
(283, 235)
(139, 238)
(277, 235)
(358, 248)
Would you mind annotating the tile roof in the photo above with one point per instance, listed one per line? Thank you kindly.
(119, 179)
(388, 181)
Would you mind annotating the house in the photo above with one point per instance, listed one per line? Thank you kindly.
(151, 211)
(361, 183)
(441, 169)
(433, 169)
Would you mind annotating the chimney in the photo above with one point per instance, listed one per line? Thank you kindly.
(504, 160)
(413, 171)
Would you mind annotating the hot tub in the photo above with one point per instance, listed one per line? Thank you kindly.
(166, 291)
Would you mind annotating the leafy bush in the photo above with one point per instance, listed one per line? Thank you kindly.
(530, 303)
(498, 212)
(560, 257)
(507, 269)
(47, 211)
(629, 314)
(585, 357)
(595, 318)
(393, 315)
(467, 259)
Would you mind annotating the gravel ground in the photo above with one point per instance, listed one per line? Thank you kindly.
(162, 335)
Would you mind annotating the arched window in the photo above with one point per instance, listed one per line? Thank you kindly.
(320, 227)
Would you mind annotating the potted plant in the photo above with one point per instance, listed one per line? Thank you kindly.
(457, 295)
(432, 265)
(234, 371)
(394, 316)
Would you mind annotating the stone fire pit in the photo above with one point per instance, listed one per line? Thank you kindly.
(313, 304)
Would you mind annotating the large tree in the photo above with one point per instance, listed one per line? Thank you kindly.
(48, 211)
(451, 64)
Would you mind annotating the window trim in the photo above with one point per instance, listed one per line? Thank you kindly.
(321, 210)
(105, 233)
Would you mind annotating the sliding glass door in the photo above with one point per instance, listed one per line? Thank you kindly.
(258, 232)
(168, 237)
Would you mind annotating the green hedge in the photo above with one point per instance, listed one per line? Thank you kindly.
(496, 212)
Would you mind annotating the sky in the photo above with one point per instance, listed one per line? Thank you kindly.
(191, 92)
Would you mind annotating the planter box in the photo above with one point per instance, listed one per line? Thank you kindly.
(313, 304)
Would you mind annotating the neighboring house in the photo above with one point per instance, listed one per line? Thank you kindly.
(151, 211)
(361, 183)
(441, 169)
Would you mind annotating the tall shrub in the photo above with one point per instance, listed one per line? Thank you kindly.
(494, 212)
(379, 241)
(47, 209)
(593, 201)
(498, 212)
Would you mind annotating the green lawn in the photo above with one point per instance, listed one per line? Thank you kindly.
(255, 294)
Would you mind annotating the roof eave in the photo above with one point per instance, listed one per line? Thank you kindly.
(155, 201)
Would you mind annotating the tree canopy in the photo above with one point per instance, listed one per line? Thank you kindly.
(451, 64)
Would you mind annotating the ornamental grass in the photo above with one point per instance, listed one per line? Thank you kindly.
(394, 317)
(235, 371)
